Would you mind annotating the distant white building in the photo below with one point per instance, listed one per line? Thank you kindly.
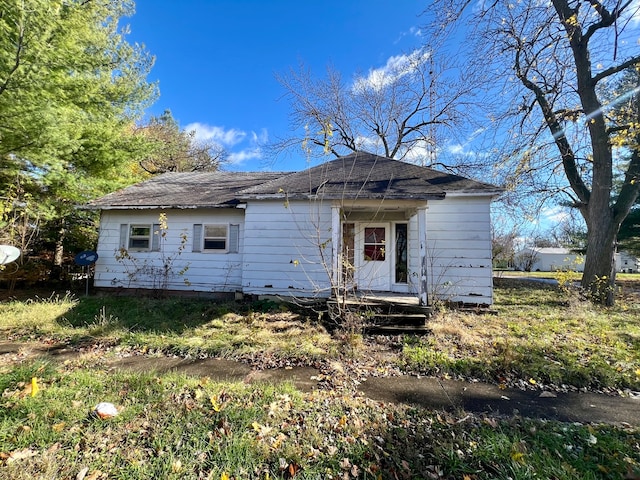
(627, 263)
(551, 259)
(548, 259)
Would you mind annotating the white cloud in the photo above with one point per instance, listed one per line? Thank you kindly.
(240, 145)
(462, 149)
(396, 67)
(261, 137)
(226, 138)
(554, 215)
(238, 158)
(413, 32)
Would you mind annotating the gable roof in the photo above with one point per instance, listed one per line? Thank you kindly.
(365, 175)
(356, 176)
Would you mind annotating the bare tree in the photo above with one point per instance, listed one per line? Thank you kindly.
(393, 111)
(549, 62)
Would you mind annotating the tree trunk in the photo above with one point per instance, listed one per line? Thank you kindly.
(58, 256)
(599, 275)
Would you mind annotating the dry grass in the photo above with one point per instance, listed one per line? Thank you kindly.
(537, 335)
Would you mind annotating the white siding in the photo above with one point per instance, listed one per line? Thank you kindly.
(285, 248)
(205, 271)
(282, 248)
(459, 249)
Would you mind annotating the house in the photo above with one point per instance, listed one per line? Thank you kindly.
(361, 222)
(627, 263)
(551, 259)
(548, 259)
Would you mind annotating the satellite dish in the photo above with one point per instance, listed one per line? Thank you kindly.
(8, 254)
(86, 258)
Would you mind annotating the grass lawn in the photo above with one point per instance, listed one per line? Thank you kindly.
(174, 426)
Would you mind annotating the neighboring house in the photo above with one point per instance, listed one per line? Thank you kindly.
(358, 222)
(549, 259)
(627, 263)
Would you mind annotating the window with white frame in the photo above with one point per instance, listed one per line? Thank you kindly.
(140, 237)
(215, 238)
(219, 237)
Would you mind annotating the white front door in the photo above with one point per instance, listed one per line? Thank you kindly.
(373, 254)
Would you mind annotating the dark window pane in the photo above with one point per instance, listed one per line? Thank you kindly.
(401, 253)
(139, 243)
(140, 231)
(374, 253)
(210, 244)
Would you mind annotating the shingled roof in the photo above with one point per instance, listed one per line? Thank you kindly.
(364, 175)
(184, 190)
(359, 175)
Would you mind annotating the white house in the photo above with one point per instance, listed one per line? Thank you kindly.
(360, 222)
(627, 263)
(549, 259)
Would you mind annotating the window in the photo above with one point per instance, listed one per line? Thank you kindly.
(215, 238)
(374, 244)
(220, 238)
(401, 253)
(140, 237)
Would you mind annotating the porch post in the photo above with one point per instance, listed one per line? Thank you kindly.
(423, 284)
(336, 242)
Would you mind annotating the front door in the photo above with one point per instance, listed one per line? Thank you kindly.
(373, 256)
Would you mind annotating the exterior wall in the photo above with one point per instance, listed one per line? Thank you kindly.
(459, 249)
(282, 248)
(206, 271)
(286, 249)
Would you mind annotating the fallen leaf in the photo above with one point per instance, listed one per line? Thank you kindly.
(21, 455)
(517, 457)
(214, 403)
(94, 475)
(58, 427)
(34, 387)
(492, 422)
(548, 395)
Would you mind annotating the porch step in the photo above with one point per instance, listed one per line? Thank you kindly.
(397, 329)
(399, 319)
(384, 316)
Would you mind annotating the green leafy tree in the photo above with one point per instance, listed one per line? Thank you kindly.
(177, 150)
(71, 89)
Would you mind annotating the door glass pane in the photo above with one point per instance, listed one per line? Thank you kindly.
(348, 251)
(401, 253)
(374, 244)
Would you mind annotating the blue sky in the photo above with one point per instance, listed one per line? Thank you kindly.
(217, 60)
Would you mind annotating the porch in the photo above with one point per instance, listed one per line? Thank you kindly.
(381, 247)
